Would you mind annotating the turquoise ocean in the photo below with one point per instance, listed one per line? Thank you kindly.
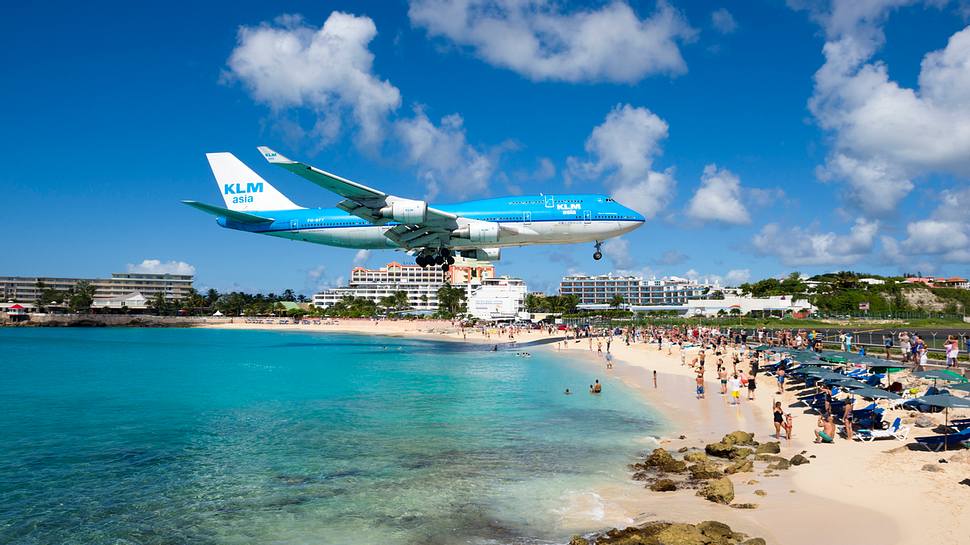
(210, 437)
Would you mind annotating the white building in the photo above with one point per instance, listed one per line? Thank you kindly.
(501, 298)
(420, 284)
(635, 291)
(132, 301)
(27, 289)
(775, 304)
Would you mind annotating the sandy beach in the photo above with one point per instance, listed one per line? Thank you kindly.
(851, 492)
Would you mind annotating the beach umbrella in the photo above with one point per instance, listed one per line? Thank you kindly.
(940, 374)
(875, 393)
(965, 387)
(847, 382)
(946, 401)
(761, 348)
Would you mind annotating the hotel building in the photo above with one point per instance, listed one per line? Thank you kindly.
(635, 291)
(25, 289)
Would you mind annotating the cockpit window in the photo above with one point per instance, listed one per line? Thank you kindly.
(609, 199)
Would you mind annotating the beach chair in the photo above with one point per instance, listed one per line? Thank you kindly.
(935, 443)
(896, 431)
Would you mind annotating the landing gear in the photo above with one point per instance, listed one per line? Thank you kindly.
(441, 258)
(598, 255)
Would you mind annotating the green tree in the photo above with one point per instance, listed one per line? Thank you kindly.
(451, 301)
(80, 297)
(617, 301)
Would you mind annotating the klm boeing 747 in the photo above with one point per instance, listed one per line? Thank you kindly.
(371, 219)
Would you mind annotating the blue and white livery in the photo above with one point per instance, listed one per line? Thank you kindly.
(369, 218)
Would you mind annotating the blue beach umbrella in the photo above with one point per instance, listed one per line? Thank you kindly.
(946, 401)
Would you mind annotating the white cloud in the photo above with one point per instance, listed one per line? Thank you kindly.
(718, 198)
(288, 63)
(623, 148)
(156, 266)
(723, 21)
(944, 239)
(798, 246)
(545, 170)
(535, 38)
(885, 136)
(735, 277)
(618, 250)
(361, 257)
(329, 70)
(442, 155)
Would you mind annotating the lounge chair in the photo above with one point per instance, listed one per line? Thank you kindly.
(896, 431)
(936, 442)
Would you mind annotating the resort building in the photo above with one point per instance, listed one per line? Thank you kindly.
(776, 305)
(420, 284)
(27, 289)
(939, 282)
(501, 298)
(635, 291)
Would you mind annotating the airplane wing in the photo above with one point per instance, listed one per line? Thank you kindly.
(235, 215)
(420, 225)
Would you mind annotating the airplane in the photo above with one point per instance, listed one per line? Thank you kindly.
(368, 218)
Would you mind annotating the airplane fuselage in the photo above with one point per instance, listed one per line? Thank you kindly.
(524, 220)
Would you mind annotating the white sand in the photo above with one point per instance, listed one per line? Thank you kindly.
(852, 493)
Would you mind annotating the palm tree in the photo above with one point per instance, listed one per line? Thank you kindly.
(617, 301)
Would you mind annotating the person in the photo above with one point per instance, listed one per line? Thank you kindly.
(887, 343)
(780, 377)
(752, 385)
(847, 418)
(904, 346)
(654, 378)
(827, 432)
(596, 387)
(568, 392)
(862, 350)
(700, 385)
(788, 426)
(722, 375)
(779, 416)
(952, 351)
(609, 360)
(735, 386)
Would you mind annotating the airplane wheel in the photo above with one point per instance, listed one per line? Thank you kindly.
(598, 256)
(421, 261)
(450, 260)
(445, 267)
(438, 260)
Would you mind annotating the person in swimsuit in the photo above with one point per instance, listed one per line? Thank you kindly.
(847, 418)
(780, 376)
(700, 385)
(722, 374)
(779, 415)
(787, 426)
(596, 388)
(752, 385)
(827, 433)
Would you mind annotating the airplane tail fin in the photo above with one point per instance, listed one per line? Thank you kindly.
(243, 189)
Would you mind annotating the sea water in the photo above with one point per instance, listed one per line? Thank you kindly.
(197, 436)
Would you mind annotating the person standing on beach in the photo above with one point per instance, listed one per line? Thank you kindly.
(780, 376)
(734, 385)
(779, 417)
(722, 375)
(700, 384)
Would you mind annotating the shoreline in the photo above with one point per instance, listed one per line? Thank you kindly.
(879, 487)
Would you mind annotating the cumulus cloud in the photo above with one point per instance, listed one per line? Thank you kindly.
(735, 277)
(886, 136)
(442, 155)
(539, 40)
(945, 238)
(288, 64)
(361, 257)
(798, 246)
(618, 250)
(671, 257)
(723, 21)
(157, 266)
(623, 149)
(718, 198)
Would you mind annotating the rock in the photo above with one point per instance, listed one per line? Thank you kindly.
(754, 541)
(744, 505)
(682, 437)
(717, 531)
(773, 447)
(695, 457)
(760, 492)
(720, 449)
(682, 450)
(718, 491)
(680, 534)
(663, 485)
(741, 438)
(741, 466)
(961, 457)
(705, 470)
(658, 458)
(780, 464)
(811, 456)
(798, 460)
(924, 421)
(741, 453)
(642, 475)
(580, 540)
(932, 468)
(768, 458)
(753, 481)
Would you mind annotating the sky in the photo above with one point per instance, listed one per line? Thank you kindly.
(757, 137)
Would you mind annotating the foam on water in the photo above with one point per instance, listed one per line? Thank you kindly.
(240, 437)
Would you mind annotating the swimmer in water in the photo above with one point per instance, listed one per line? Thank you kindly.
(567, 392)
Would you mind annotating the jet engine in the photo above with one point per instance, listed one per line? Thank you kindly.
(478, 232)
(406, 211)
(482, 254)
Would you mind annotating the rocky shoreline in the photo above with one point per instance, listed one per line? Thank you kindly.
(671, 533)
